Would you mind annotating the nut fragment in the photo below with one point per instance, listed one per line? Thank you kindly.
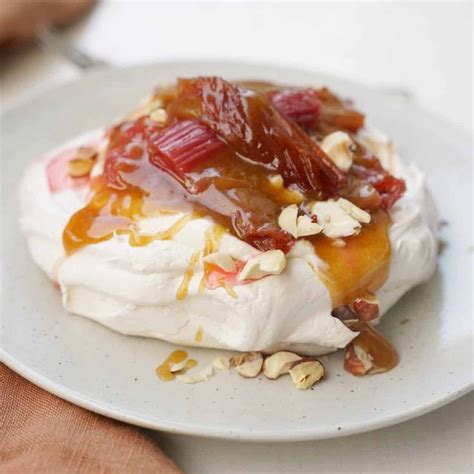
(221, 363)
(279, 363)
(306, 373)
(356, 212)
(179, 366)
(272, 262)
(81, 165)
(201, 376)
(357, 361)
(159, 115)
(340, 148)
(222, 260)
(367, 308)
(287, 219)
(247, 365)
(79, 168)
(305, 226)
(335, 220)
(344, 313)
(339, 218)
(339, 243)
(297, 226)
(276, 180)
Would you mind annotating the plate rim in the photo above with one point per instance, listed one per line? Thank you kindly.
(316, 432)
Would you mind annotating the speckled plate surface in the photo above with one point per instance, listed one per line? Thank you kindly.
(111, 374)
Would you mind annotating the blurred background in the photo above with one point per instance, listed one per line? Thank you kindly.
(418, 50)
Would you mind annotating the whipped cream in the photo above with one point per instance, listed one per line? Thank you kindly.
(132, 290)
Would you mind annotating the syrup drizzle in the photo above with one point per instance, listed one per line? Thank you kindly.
(188, 274)
(176, 357)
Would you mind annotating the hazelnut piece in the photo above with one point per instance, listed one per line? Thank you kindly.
(357, 361)
(344, 313)
(159, 115)
(279, 363)
(222, 260)
(340, 148)
(272, 262)
(306, 373)
(367, 308)
(81, 165)
(247, 365)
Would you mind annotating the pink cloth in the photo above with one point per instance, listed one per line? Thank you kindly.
(42, 433)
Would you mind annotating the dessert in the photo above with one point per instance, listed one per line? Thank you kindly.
(242, 216)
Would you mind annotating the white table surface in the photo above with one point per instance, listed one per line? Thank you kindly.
(424, 48)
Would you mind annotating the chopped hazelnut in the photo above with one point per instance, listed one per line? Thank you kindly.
(272, 262)
(339, 243)
(344, 313)
(279, 363)
(222, 260)
(306, 373)
(276, 180)
(81, 165)
(357, 361)
(339, 218)
(201, 376)
(287, 219)
(247, 365)
(354, 211)
(297, 226)
(340, 148)
(221, 363)
(305, 226)
(336, 222)
(159, 115)
(367, 308)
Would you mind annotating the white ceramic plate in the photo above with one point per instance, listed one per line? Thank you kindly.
(111, 374)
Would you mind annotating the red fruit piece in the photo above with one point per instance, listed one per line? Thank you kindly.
(182, 145)
(175, 149)
(391, 189)
(266, 236)
(302, 106)
(121, 156)
(247, 122)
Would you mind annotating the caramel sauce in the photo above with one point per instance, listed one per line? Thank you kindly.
(188, 274)
(382, 353)
(176, 357)
(361, 265)
(139, 240)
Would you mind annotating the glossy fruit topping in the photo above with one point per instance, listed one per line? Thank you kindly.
(257, 131)
(302, 106)
(181, 146)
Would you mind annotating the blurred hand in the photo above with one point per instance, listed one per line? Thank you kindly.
(22, 20)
